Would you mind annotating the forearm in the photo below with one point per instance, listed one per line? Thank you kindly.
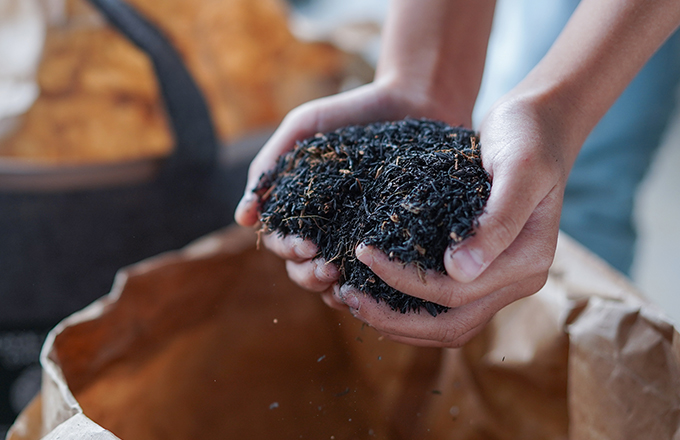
(436, 49)
(602, 48)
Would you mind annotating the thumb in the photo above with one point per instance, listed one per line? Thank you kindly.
(513, 199)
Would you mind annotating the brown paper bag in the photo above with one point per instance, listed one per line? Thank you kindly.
(214, 341)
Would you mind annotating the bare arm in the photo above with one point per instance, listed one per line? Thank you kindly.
(599, 52)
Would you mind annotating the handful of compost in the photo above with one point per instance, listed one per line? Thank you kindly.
(409, 187)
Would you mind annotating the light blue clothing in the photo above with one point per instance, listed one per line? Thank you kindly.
(598, 202)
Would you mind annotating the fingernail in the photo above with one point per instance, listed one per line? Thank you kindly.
(347, 296)
(324, 271)
(469, 263)
(364, 255)
(303, 248)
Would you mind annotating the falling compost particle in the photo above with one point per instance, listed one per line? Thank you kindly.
(321, 358)
(274, 405)
(411, 188)
(454, 411)
(342, 393)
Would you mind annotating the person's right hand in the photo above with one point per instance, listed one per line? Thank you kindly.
(528, 152)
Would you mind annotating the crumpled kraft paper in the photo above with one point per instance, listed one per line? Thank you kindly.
(214, 341)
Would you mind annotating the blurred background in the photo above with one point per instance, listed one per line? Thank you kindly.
(75, 93)
(354, 24)
(656, 268)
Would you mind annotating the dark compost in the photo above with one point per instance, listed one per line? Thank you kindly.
(410, 187)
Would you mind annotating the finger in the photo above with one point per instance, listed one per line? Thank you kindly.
(407, 278)
(297, 125)
(530, 252)
(349, 296)
(519, 185)
(290, 247)
(459, 342)
(314, 275)
(331, 299)
(282, 140)
(529, 256)
(449, 327)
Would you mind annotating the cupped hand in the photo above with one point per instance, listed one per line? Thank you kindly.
(381, 100)
(526, 150)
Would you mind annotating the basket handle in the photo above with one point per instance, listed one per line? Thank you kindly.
(196, 142)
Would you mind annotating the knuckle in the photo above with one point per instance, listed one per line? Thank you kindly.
(542, 260)
(462, 330)
(456, 343)
(543, 265)
(468, 334)
(296, 115)
(398, 284)
(446, 298)
(307, 114)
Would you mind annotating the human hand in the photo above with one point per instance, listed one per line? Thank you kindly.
(381, 100)
(527, 152)
(419, 74)
(530, 141)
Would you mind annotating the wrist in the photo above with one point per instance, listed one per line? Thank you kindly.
(557, 109)
(433, 55)
(418, 99)
(533, 128)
